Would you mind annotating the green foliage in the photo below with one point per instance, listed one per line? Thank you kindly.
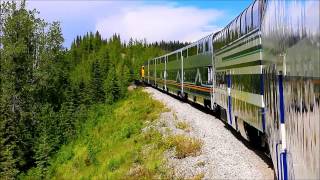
(97, 91)
(111, 143)
(112, 87)
(28, 48)
(48, 93)
(115, 163)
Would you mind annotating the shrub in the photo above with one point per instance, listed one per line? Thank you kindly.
(114, 164)
(185, 146)
(183, 125)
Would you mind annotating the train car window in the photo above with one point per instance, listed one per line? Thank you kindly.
(228, 40)
(200, 47)
(243, 23)
(217, 41)
(247, 82)
(232, 31)
(206, 45)
(225, 37)
(184, 53)
(192, 51)
(222, 39)
(238, 27)
(249, 19)
(256, 16)
(172, 57)
(214, 42)
(189, 74)
(220, 80)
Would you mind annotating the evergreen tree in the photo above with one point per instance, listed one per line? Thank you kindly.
(123, 74)
(19, 50)
(97, 90)
(111, 86)
(47, 137)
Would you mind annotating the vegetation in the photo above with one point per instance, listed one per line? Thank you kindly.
(50, 97)
(198, 177)
(185, 146)
(110, 144)
(183, 125)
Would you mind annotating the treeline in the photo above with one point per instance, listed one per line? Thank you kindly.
(169, 46)
(46, 90)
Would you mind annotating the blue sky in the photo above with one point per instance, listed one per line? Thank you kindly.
(154, 20)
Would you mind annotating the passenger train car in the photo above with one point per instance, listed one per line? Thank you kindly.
(261, 74)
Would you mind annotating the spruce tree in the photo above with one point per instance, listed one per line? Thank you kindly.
(111, 86)
(97, 90)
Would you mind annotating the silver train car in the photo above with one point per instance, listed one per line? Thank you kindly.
(261, 74)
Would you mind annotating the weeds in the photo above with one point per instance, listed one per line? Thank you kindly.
(115, 163)
(183, 125)
(201, 163)
(175, 117)
(185, 146)
(198, 176)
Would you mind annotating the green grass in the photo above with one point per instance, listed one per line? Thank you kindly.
(111, 144)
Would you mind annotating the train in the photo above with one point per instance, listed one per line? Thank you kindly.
(261, 75)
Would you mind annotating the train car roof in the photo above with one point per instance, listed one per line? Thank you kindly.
(206, 37)
(186, 47)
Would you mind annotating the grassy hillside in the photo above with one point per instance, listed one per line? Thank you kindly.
(111, 144)
(46, 90)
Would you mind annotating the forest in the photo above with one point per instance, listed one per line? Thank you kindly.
(46, 90)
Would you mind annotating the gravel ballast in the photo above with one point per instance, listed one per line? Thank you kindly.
(223, 155)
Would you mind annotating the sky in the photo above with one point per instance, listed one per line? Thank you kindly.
(154, 20)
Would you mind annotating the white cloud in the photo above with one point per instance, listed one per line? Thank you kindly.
(153, 20)
(159, 22)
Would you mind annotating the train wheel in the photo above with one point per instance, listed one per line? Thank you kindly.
(186, 97)
(207, 103)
